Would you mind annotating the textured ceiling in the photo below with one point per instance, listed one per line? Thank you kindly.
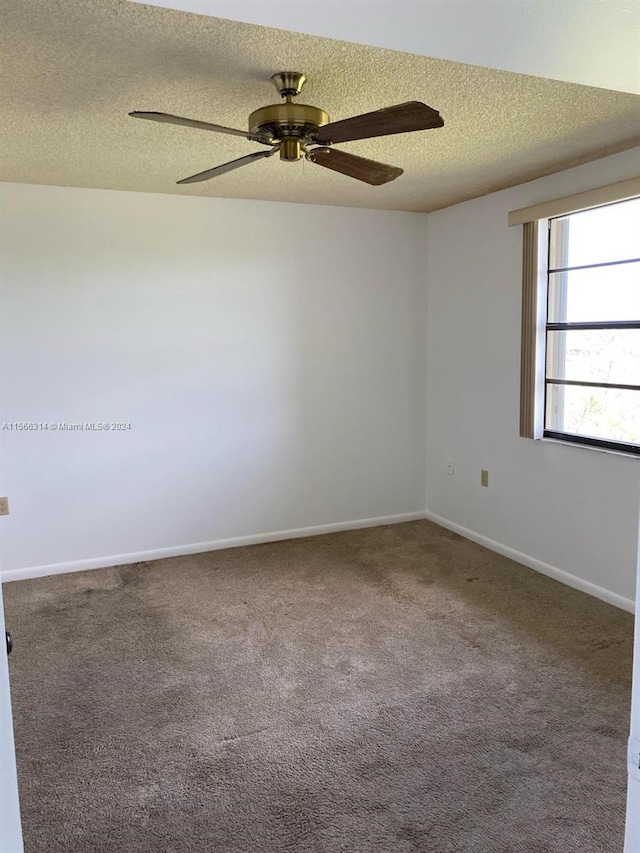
(73, 69)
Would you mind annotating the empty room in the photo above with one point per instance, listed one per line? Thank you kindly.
(319, 427)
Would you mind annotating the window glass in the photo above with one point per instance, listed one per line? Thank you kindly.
(586, 243)
(595, 355)
(597, 294)
(593, 326)
(600, 413)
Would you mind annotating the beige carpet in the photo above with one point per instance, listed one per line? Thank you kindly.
(397, 689)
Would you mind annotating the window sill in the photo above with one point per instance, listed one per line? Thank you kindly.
(590, 447)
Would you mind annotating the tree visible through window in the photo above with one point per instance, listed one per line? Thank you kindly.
(592, 376)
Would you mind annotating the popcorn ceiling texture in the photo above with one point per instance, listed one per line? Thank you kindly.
(73, 69)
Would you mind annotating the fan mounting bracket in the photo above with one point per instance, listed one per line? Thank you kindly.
(289, 83)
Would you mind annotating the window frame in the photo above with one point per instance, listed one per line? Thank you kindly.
(535, 276)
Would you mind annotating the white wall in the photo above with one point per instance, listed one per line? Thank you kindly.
(275, 384)
(632, 834)
(10, 829)
(269, 357)
(573, 509)
(580, 41)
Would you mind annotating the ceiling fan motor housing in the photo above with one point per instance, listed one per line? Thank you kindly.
(288, 122)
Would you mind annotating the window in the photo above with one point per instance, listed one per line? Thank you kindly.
(581, 319)
(592, 340)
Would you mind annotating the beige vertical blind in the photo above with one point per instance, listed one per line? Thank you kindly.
(529, 328)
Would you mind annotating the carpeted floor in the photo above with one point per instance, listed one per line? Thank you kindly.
(388, 690)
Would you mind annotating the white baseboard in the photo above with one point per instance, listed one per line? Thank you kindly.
(218, 544)
(531, 562)
(198, 548)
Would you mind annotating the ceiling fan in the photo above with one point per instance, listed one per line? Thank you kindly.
(291, 129)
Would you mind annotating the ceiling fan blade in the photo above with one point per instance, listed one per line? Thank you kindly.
(402, 118)
(228, 167)
(369, 171)
(167, 118)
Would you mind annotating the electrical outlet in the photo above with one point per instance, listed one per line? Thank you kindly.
(484, 478)
(4, 506)
(449, 467)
